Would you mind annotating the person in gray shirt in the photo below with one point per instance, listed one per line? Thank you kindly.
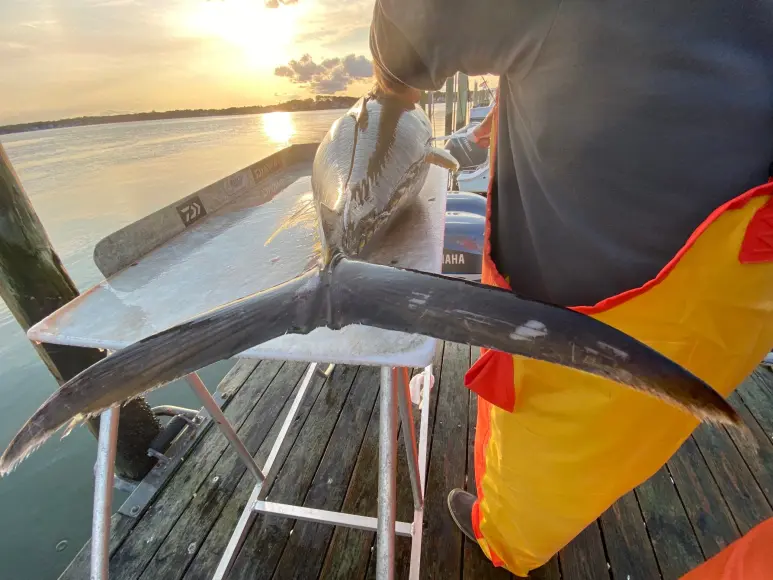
(621, 127)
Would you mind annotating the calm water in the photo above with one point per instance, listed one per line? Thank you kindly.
(86, 183)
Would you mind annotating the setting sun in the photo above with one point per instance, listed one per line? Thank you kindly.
(264, 36)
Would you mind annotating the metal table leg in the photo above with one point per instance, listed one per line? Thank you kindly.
(103, 494)
(214, 410)
(401, 380)
(418, 514)
(394, 395)
(387, 471)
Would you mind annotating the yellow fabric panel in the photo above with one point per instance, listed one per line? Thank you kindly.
(576, 443)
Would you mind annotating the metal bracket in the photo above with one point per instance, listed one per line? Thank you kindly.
(125, 485)
(146, 490)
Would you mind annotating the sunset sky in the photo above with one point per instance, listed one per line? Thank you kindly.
(62, 58)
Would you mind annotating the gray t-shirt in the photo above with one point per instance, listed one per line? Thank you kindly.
(622, 124)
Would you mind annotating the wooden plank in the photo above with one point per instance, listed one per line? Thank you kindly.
(331, 481)
(132, 557)
(757, 392)
(629, 550)
(235, 379)
(759, 459)
(170, 561)
(549, 571)
(211, 549)
(350, 551)
(747, 502)
(476, 565)
(121, 525)
(263, 545)
(584, 557)
(447, 463)
(710, 517)
(401, 545)
(673, 538)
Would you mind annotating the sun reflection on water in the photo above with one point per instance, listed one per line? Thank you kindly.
(278, 127)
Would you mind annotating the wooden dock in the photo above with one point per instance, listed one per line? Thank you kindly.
(712, 491)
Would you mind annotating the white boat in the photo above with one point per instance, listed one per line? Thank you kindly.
(474, 180)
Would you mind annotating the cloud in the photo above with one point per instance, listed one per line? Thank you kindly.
(330, 76)
(276, 3)
(337, 26)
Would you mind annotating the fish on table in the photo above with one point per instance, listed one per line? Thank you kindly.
(368, 169)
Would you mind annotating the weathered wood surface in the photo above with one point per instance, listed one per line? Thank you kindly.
(463, 86)
(122, 525)
(714, 488)
(450, 103)
(673, 538)
(629, 550)
(447, 464)
(584, 558)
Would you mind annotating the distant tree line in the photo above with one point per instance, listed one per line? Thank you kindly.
(320, 102)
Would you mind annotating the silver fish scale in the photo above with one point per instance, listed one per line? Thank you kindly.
(372, 163)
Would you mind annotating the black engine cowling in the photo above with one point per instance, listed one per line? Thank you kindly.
(468, 154)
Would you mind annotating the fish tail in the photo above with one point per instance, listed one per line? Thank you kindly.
(466, 312)
(292, 307)
(354, 292)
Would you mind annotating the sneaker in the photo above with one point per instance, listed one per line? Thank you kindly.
(460, 505)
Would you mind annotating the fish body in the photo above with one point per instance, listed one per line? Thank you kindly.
(370, 166)
(368, 169)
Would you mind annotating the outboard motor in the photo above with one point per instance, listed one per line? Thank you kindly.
(467, 153)
(466, 202)
(463, 243)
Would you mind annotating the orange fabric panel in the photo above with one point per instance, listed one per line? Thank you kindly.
(491, 377)
(748, 558)
(757, 245)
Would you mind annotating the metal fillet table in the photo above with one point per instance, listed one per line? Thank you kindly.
(245, 233)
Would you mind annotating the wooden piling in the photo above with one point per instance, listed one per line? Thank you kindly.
(462, 84)
(34, 284)
(449, 128)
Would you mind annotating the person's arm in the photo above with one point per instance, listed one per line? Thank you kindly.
(420, 43)
(481, 134)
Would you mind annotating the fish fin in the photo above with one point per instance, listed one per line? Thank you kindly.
(169, 355)
(470, 313)
(441, 157)
(74, 422)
